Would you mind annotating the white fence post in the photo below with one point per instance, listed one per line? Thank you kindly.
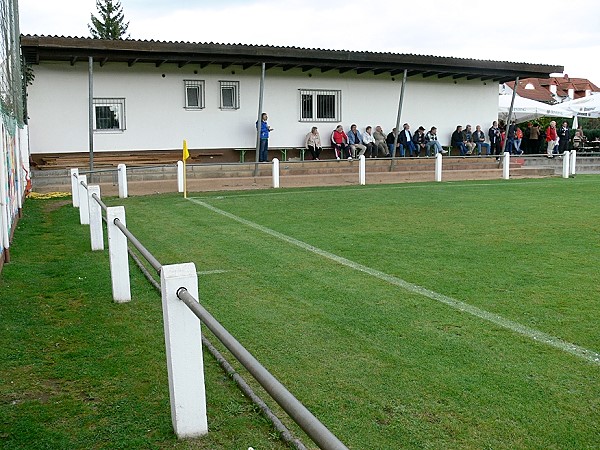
(506, 166)
(117, 251)
(122, 176)
(84, 207)
(438, 167)
(179, 176)
(573, 161)
(184, 352)
(75, 187)
(96, 229)
(362, 170)
(566, 158)
(275, 173)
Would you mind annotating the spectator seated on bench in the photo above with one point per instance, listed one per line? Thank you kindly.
(457, 141)
(479, 140)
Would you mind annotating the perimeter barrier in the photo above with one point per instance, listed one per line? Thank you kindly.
(284, 169)
(183, 338)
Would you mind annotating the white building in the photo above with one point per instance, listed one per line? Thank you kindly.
(151, 95)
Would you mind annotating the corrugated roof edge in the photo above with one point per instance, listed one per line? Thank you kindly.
(551, 68)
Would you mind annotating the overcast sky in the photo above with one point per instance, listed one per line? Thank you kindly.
(556, 32)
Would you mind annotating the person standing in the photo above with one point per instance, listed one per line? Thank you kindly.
(495, 141)
(265, 129)
(564, 136)
(313, 143)
(534, 138)
(551, 139)
(518, 140)
(510, 137)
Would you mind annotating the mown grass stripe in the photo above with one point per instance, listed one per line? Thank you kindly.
(531, 333)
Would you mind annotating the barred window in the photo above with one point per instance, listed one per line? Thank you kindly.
(109, 114)
(320, 105)
(194, 94)
(230, 94)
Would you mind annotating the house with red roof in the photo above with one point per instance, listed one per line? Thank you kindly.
(554, 89)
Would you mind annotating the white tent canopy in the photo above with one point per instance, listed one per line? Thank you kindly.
(526, 109)
(584, 107)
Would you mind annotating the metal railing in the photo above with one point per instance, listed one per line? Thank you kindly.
(324, 438)
(290, 404)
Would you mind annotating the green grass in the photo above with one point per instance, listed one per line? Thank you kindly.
(78, 371)
(382, 367)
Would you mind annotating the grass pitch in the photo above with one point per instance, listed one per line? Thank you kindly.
(446, 315)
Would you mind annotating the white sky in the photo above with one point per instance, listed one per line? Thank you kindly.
(548, 32)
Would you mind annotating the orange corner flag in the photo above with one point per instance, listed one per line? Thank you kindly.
(186, 154)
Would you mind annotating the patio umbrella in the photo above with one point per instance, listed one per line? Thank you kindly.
(584, 107)
(526, 109)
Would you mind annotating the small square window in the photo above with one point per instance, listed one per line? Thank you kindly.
(109, 114)
(230, 94)
(194, 94)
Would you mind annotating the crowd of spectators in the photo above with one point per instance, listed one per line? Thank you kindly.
(500, 136)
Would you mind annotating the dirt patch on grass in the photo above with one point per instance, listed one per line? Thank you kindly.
(54, 205)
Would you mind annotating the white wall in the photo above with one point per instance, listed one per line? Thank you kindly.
(156, 118)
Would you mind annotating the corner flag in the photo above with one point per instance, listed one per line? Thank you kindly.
(186, 154)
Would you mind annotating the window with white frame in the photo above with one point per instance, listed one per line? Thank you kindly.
(109, 114)
(230, 94)
(320, 105)
(194, 94)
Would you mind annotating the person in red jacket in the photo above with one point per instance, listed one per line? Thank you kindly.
(339, 139)
(551, 139)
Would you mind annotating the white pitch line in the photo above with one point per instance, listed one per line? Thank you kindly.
(211, 272)
(536, 335)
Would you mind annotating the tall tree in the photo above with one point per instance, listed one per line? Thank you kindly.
(110, 24)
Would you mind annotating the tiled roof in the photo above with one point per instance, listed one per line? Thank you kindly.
(60, 48)
(541, 88)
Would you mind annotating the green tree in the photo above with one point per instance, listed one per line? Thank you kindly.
(111, 23)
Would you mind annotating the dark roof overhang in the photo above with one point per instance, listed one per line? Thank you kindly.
(37, 49)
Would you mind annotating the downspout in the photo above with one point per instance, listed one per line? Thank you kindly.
(91, 112)
(258, 122)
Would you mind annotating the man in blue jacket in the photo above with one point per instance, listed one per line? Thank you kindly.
(355, 141)
(265, 129)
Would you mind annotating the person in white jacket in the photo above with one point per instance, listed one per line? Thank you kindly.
(369, 142)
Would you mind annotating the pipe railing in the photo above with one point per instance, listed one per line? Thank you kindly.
(315, 429)
(324, 438)
(100, 202)
(138, 245)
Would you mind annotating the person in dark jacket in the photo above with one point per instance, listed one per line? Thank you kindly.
(419, 141)
(564, 136)
(495, 139)
(391, 137)
(406, 141)
(457, 140)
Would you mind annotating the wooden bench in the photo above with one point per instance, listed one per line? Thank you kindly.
(282, 150)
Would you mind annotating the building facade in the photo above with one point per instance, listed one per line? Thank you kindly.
(150, 96)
